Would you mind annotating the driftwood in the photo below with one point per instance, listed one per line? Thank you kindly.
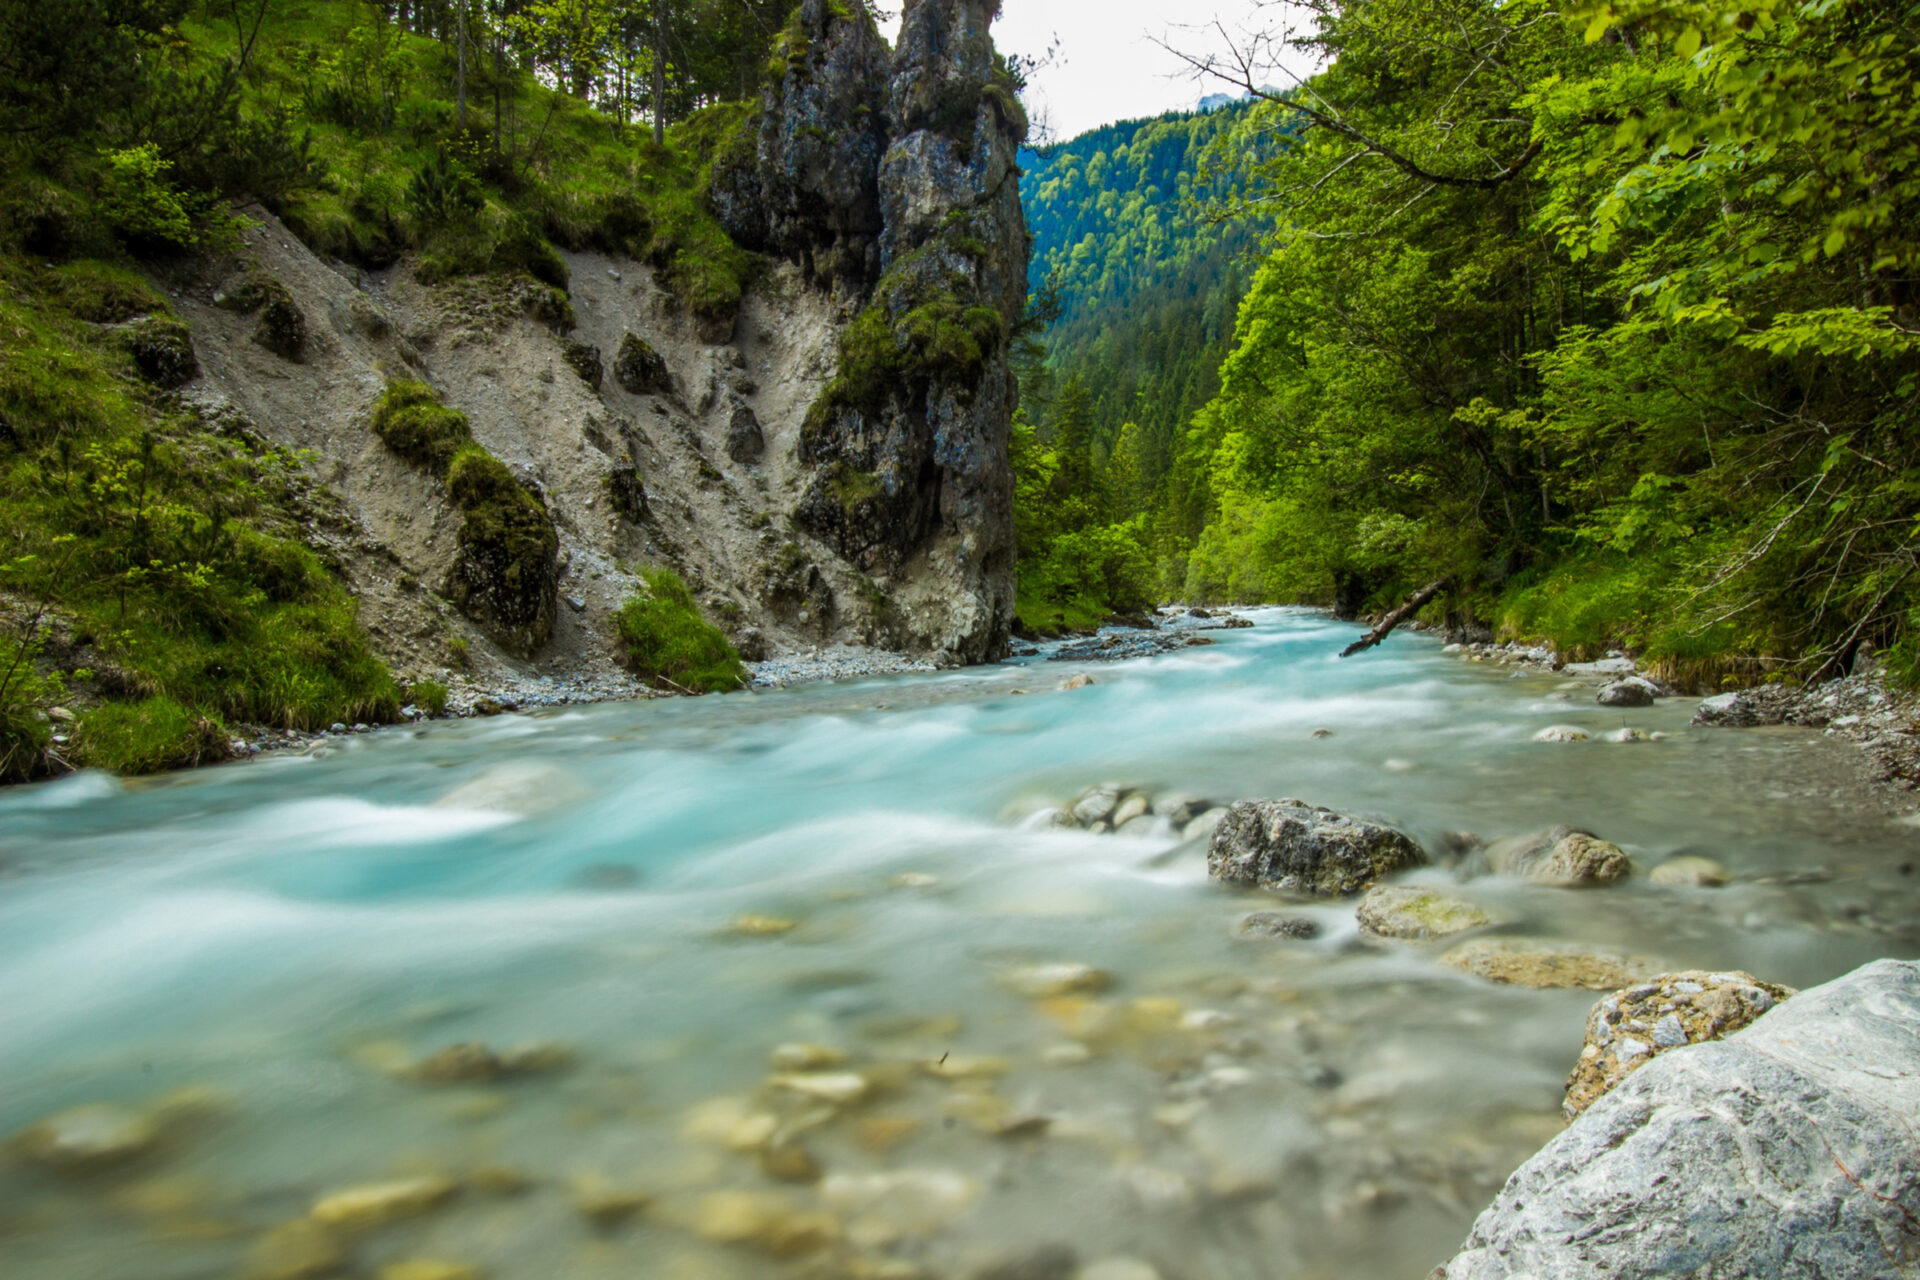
(1384, 628)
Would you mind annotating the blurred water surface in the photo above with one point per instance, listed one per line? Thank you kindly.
(285, 936)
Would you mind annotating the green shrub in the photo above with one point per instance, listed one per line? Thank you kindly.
(139, 202)
(665, 639)
(1583, 606)
(1037, 613)
(286, 572)
(24, 730)
(444, 190)
(52, 222)
(428, 695)
(147, 736)
(413, 423)
(23, 740)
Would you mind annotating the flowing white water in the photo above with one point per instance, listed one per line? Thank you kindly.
(285, 933)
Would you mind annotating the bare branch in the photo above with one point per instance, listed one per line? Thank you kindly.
(1238, 67)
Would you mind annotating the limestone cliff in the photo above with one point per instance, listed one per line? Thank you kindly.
(830, 464)
(889, 176)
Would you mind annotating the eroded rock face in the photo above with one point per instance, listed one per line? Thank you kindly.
(1295, 847)
(1630, 1028)
(1787, 1150)
(890, 178)
(803, 182)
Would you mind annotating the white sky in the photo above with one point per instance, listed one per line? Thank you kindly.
(1108, 67)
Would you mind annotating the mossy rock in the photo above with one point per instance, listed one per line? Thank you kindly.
(628, 492)
(507, 575)
(640, 369)
(746, 443)
(584, 358)
(283, 326)
(243, 293)
(1417, 913)
(553, 308)
(162, 350)
(412, 422)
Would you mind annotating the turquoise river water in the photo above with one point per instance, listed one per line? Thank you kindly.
(255, 965)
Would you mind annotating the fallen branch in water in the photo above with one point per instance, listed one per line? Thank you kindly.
(1384, 628)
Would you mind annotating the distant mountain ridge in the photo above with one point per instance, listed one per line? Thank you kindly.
(1125, 227)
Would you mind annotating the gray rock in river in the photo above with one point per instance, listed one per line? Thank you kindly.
(1741, 710)
(1789, 1150)
(1273, 924)
(1297, 848)
(1634, 691)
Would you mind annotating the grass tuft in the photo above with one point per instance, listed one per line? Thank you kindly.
(665, 640)
(148, 736)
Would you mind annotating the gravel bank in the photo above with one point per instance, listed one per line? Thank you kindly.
(1861, 708)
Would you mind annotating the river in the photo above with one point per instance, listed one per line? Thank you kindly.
(662, 894)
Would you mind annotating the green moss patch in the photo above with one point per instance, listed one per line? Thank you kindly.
(665, 640)
(105, 293)
(411, 421)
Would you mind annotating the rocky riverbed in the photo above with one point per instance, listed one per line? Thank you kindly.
(916, 976)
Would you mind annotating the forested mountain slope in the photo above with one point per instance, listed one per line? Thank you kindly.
(1130, 226)
(1141, 245)
(351, 350)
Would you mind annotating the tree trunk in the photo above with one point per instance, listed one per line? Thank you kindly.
(460, 75)
(581, 81)
(659, 73)
(1384, 628)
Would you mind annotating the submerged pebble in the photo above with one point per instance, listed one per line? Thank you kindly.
(428, 1269)
(298, 1250)
(1540, 964)
(90, 1137)
(1044, 980)
(356, 1208)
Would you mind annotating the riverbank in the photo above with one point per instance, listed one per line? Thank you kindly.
(1862, 709)
(1176, 628)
